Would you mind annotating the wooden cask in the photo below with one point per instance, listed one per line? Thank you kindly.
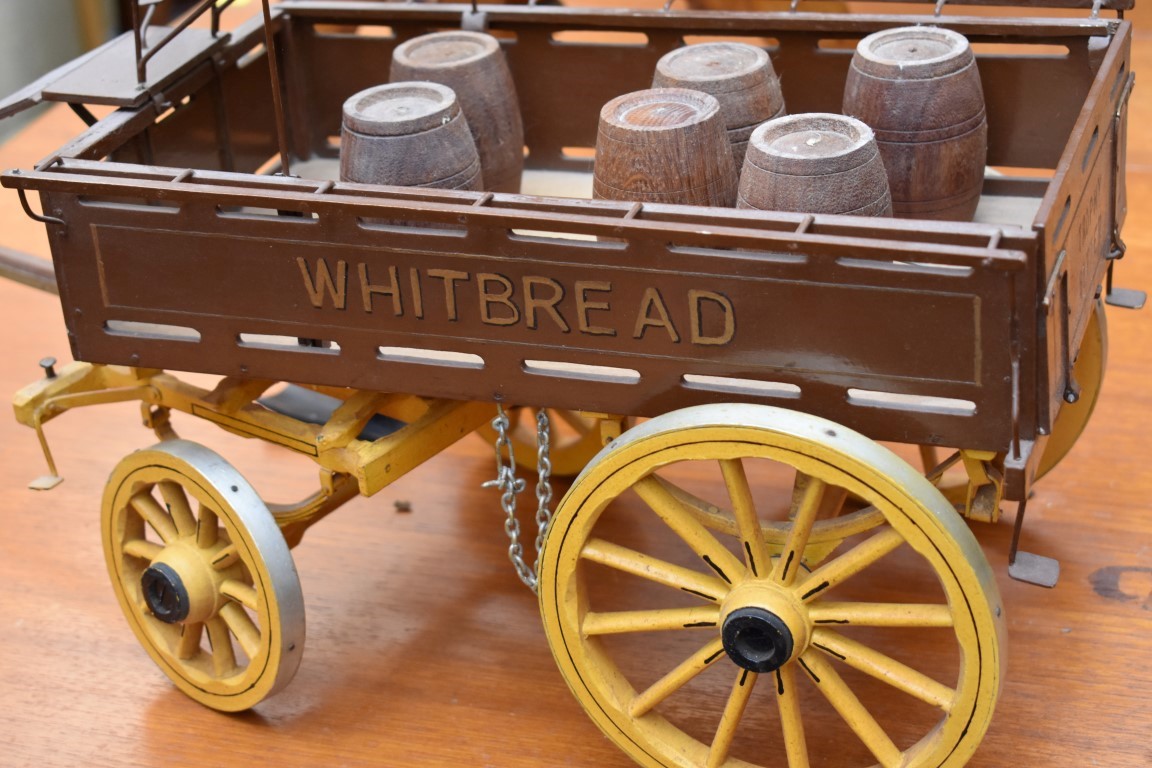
(814, 163)
(920, 90)
(408, 134)
(473, 65)
(739, 75)
(664, 145)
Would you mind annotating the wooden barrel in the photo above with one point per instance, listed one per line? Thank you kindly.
(473, 65)
(408, 134)
(664, 145)
(739, 75)
(814, 163)
(919, 89)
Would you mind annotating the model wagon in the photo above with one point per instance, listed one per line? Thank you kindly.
(739, 567)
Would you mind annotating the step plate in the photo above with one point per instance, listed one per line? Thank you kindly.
(110, 77)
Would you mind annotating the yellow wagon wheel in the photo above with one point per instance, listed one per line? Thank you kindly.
(203, 574)
(575, 439)
(1088, 371)
(692, 647)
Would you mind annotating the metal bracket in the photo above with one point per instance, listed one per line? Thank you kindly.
(1127, 298)
(1025, 566)
(1120, 297)
(985, 486)
(36, 216)
(474, 19)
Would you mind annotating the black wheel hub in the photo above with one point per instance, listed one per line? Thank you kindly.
(165, 594)
(756, 639)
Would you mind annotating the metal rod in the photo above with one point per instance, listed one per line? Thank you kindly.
(136, 39)
(42, 218)
(277, 95)
(191, 17)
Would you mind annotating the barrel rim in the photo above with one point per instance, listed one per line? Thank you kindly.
(357, 117)
(860, 151)
(406, 54)
(706, 106)
(758, 70)
(867, 61)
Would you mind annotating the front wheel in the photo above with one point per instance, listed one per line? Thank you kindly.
(808, 630)
(203, 574)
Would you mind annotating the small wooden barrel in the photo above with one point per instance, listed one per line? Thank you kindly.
(664, 145)
(739, 75)
(473, 65)
(408, 134)
(919, 89)
(814, 163)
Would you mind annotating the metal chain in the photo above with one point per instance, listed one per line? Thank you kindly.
(510, 485)
(543, 481)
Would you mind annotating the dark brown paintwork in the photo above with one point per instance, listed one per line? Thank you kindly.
(177, 230)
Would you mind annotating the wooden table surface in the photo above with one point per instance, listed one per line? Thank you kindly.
(423, 648)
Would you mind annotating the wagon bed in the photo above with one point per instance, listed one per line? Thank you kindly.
(185, 238)
(927, 333)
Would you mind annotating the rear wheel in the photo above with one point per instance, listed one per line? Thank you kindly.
(710, 603)
(203, 574)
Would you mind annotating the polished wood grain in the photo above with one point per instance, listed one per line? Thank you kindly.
(423, 648)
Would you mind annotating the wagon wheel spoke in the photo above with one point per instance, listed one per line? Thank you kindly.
(791, 721)
(669, 509)
(155, 516)
(654, 569)
(884, 668)
(178, 508)
(620, 622)
(858, 718)
(190, 635)
(852, 562)
(803, 515)
(730, 719)
(207, 528)
(677, 678)
(142, 549)
(242, 627)
(242, 593)
(882, 614)
(223, 655)
(755, 547)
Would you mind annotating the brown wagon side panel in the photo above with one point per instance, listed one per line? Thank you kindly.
(901, 340)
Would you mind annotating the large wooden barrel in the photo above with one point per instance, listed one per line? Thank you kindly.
(473, 65)
(408, 134)
(814, 163)
(664, 145)
(739, 75)
(919, 89)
